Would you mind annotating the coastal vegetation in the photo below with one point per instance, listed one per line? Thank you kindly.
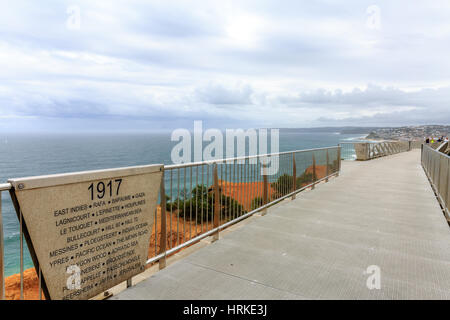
(199, 204)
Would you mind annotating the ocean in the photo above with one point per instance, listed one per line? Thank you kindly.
(32, 155)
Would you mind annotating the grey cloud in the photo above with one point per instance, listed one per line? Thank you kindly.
(221, 95)
(177, 60)
(374, 95)
(421, 117)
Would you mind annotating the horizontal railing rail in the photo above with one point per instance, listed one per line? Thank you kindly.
(227, 160)
(199, 199)
(437, 168)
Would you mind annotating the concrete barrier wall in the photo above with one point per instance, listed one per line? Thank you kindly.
(362, 151)
(369, 150)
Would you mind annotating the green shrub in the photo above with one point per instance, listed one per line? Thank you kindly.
(199, 205)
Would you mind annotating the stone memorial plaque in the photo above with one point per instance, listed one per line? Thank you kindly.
(89, 230)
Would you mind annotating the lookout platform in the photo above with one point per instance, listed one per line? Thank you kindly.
(380, 213)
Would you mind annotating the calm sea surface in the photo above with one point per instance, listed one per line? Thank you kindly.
(31, 155)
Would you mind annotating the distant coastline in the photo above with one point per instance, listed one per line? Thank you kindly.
(409, 132)
(378, 133)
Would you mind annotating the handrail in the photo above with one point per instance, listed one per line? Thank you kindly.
(5, 186)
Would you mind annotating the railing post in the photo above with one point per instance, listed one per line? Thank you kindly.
(294, 176)
(163, 239)
(443, 187)
(438, 175)
(433, 174)
(21, 253)
(339, 161)
(328, 164)
(446, 196)
(40, 283)
(430, 163)
(2, 265)
(265, 188)
(314, 172)
(421, 154)
(216, 204)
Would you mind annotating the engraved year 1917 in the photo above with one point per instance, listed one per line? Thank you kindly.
(101, 189)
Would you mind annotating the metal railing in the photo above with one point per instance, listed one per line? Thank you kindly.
(348, 150)
(437, 168)
(198, 200)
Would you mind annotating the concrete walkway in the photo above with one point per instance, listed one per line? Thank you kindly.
(380, 212)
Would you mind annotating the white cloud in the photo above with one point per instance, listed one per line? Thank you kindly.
(233, 63)
(220, 95)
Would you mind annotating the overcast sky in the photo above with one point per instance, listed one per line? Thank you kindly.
(152, 65)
